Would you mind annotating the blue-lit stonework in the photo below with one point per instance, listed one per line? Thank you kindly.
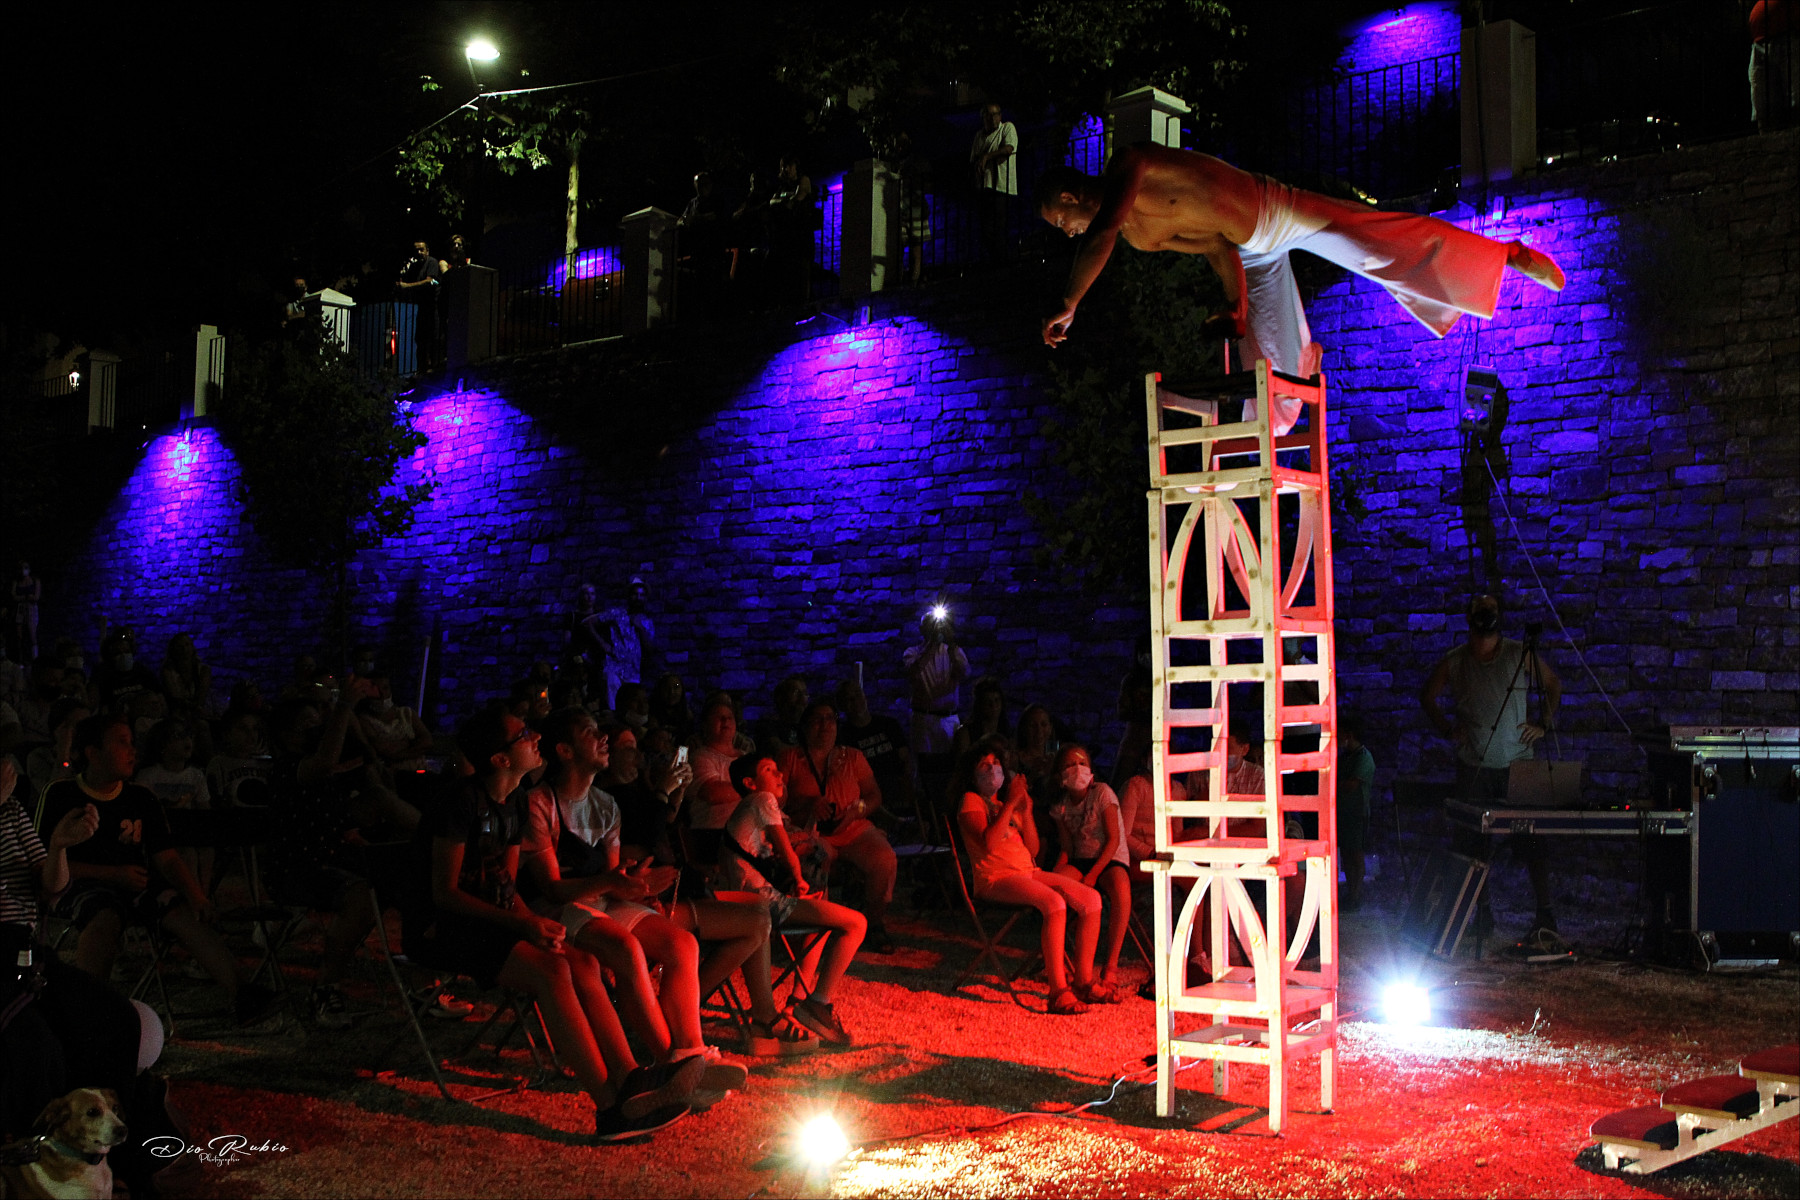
(798, 495)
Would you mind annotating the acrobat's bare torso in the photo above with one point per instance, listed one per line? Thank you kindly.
(1157, 198)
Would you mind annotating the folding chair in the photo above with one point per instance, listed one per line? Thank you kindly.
(990, 946)
(543, 1060)
(926, 850)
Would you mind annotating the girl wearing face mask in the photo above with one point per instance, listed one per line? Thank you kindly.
(1090, 835)
(1002, 843)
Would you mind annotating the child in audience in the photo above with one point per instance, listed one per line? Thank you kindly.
(1090, 834)
(1002, 843)
(180, 786)
(756, 856)
(129, 870)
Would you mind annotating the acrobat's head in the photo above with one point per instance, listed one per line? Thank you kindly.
(1068, 199)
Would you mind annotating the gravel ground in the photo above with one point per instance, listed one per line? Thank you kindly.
(1493, 1099)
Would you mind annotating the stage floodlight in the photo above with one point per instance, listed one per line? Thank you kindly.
(482, 50)
(1406, 1004)
(822, 1143)
(1482, 392)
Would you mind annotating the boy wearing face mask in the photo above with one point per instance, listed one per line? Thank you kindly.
(121, 678)
(1090, 834)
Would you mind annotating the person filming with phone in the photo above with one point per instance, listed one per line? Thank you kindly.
(935, 671)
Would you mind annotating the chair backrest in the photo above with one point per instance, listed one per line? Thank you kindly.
(956, 857)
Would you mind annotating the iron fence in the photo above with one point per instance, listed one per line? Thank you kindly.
(1391, 131)
(1649, 80)
(572, 298)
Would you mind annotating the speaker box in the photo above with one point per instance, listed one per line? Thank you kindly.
(1731, 888)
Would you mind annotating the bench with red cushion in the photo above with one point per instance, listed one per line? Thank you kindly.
(1721, 1097)
(1778, 1065)
(1650, 1127)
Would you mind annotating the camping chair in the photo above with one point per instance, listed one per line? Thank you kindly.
(925, 850)
(990, 946)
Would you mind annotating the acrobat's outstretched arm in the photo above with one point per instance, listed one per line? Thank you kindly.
(1123, 179)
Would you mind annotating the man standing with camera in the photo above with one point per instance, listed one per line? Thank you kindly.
(934, 672)
(1490, 679)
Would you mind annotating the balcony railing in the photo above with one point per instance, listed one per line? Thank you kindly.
(572, 298)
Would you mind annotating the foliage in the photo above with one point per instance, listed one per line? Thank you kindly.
(1143, 315)
(318, 447)
(892, 64)
(516, 133)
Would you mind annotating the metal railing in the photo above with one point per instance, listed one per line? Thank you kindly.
(948, 222)
(572, 298)
(1391, 131)
(1649, 80)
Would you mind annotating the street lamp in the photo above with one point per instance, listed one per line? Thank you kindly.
(479, 50)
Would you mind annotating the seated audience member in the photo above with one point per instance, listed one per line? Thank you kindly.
(649, 801)
(1035, 749)
(610, 907)
(396, 734)
(1090, 834)
(312, 857)
(530, 700)
(1001, 838)
(120, 676)
(780, 730)
(169, 773)
(713, 748)
(1137, 810)
(145, 711)
(881, 740)
(128, 870)
(53, 762)
(241, 758)
(757, 856)
(34, 709)
(479, 927)
(186, 681)
(65, 1029)
(1355, 789)
(669, 707)
(631, 707)
(987, 716)
(830, 793)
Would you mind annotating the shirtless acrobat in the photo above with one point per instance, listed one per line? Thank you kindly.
(1162, 199)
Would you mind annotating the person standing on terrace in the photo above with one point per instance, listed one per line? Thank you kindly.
(1246, 225)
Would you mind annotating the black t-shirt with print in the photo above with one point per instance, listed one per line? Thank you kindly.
(883, 742)
(466, 812)
(133, 827)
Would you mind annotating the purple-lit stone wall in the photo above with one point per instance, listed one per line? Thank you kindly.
(1399, 35)
(1650, 456)
(798, 495)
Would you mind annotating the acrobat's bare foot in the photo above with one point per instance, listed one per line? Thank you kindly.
(1535, 265)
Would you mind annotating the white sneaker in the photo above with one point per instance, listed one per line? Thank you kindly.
(443, 1006)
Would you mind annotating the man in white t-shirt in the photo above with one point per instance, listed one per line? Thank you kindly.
(934, 672)
(994, 159)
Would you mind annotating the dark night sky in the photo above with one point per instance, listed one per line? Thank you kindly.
(188, 156)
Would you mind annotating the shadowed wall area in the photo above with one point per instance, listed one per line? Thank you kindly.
(797, 495)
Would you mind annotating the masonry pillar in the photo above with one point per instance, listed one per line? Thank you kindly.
(1146, 115)
(333, 307)
(473, 296)
(1499, 102)
(209, 372)
(100, 375)
(648, 258)
(871, 228)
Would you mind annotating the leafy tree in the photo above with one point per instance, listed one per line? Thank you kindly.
(318, 445)
(515, 132)
(891, 65)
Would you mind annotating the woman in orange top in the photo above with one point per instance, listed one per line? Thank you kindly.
(830, 792)
(1002, 841)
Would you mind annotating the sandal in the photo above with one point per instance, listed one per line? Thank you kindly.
(778, 1038)
(1066, 1004)
(1098, 991)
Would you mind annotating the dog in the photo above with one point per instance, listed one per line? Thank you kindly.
(77, 1131)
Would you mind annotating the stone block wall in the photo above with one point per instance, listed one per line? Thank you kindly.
(797, 496)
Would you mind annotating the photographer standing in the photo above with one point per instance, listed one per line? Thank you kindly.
(934, 672)
(1489, 679)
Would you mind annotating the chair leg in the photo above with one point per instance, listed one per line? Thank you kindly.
(406, 1005)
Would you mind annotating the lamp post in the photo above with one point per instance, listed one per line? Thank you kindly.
(479, 50)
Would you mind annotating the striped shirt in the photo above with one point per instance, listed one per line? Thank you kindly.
(20, 854)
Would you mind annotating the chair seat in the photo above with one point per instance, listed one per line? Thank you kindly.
(1780, 1064)
(1722, 1097)
(1648, 1127)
